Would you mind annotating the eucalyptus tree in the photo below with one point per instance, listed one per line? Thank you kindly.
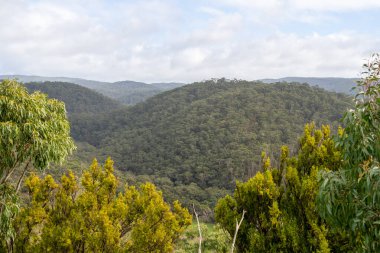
(349, 199)
(34, 131)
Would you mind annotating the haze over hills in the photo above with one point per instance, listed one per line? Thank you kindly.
(131, 92)
(336, 84)
(126, 92)
(83, 82)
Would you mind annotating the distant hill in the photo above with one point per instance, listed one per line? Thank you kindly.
(336, 84)
(126, 92)
(167, 86)
(196, 140)
(81, 103)
(82, 82)
(77, 99)
(129, 92)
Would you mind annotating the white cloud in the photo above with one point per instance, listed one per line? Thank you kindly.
(160, 41)
(283, 55)
(189, 57)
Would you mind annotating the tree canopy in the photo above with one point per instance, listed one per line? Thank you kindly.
(280, 207)
(91, 216)
(34, 131)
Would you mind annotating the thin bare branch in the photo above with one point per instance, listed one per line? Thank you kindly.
(22, 176)
(7, 175)
(236, 231)
(199, 230)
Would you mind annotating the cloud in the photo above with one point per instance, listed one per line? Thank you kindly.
(286, 55)
(151, 40)
(57, 39)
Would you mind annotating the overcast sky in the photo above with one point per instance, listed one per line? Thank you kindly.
(188, 40)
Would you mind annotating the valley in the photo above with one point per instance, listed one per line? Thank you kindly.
(195, 141)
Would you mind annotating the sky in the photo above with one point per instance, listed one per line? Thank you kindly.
(188, 40)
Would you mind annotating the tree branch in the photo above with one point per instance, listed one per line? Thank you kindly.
(199, 230)
(8, 174)
(22, 175)
(14, 166)
(236, 231)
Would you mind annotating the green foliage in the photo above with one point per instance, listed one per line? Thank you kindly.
(214, 239)
(34, 132)
(279, 202)
(260, 194)
(195, 141)
(9, 206)
(349, 198)
(33, 129)
(93, 217)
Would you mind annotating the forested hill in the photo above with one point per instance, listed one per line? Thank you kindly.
(77, 99)
(196, 140)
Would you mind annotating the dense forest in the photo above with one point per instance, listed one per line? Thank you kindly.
(193, 142)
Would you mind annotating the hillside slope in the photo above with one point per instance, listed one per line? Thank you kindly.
(81, 103)
(195, 141)
(77, 99)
